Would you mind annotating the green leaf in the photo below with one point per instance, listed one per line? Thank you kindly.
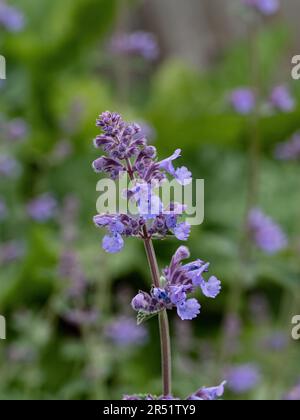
(145, 316)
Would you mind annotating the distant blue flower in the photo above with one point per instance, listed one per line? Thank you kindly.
(232, 333)
(140, 44)
(243, 378)
(277, 341)
(3, 210)
(289, 150)
(42, 208)
(123, 331)
(16, 129)
(282, 99)
(11, 18)
(188, 309)
(293, 394)
(265, 7)
(267, 235)
(9, 167)
(243, 100)
(70, 269)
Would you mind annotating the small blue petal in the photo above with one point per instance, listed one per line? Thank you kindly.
(177, 294)
(113, 244)
(183, 176)
(167, 164)
(182, 231)
(188, 309)
(211, 288)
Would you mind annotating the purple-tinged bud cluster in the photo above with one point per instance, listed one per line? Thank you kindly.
(243, 378)
(265, 7)
(179, 281)
(267, 235)
(128, 152)
(202, 394)
(243, 100)
(11, 19)
(137, 44)
(124, 332)
(289, 150)
(42, 208)
(281, 99)
(9, 167)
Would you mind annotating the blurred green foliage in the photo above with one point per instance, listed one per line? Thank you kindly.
(59, 80)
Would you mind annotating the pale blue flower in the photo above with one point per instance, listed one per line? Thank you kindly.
(211, 288)
(188, 309)
(113, 244)
(182, 231)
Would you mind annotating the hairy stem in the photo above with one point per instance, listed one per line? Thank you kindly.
(165, 344)
(165, 353)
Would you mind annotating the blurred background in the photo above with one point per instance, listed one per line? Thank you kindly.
(208, 76)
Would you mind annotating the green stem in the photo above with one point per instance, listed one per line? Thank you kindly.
(165, 352)
(165, 344)
(254, 150)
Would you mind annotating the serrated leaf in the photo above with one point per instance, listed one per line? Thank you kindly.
(145, 316)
